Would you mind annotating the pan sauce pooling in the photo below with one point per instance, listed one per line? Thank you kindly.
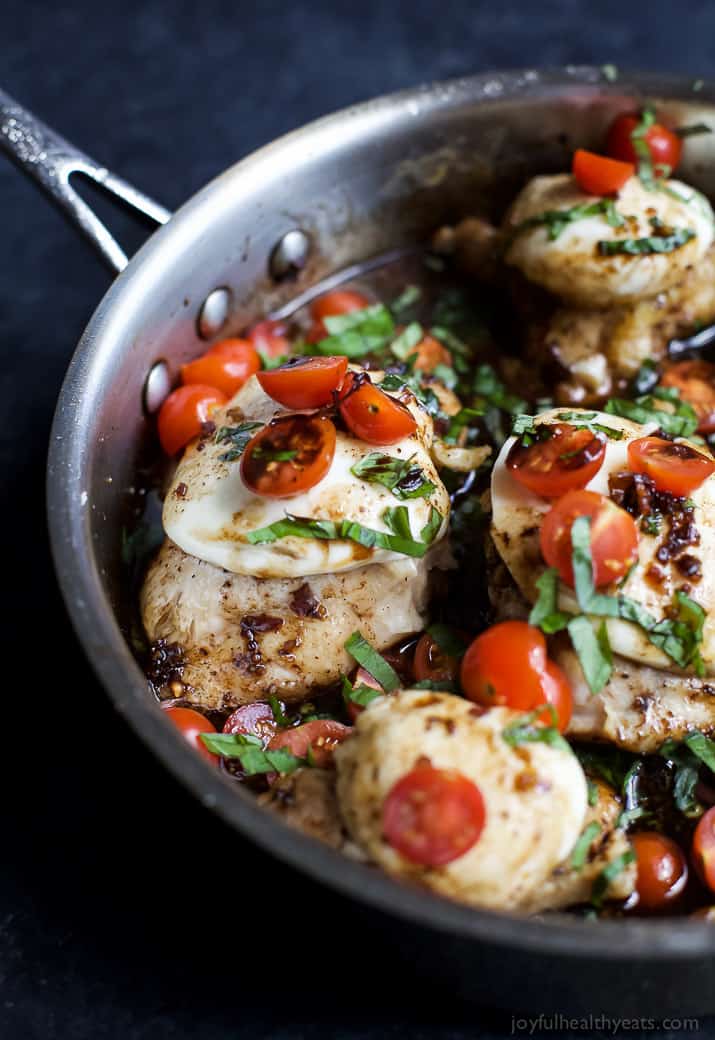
(315, 609)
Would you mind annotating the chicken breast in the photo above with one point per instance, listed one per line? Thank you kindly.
(639, 707)
(597, 347)
(242, 638)
(306, 799)
(571, 265)
(535, 794)
(571, 885)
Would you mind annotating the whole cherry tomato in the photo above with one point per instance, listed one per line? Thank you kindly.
(183, 414)
(664, 146)
(662, 870)
(339, 301)
(191, 724)
(704, 848)
(227, 366)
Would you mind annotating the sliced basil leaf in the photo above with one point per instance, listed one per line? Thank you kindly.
(556, 221)
(702, 747)
(431, 529)
(523, 731)
(693, 130)
(642, 149)
(400, 476)
(457, 423)
(248, 750)
(448, 640)
(362, 695)
(359, 648)
(545, 613)
(409, 296)
(648, 245)
(237, 436)
(440, 685)
(278, 713)
(302, 527)
(580, 850)
(403, 345)
(593, 651)
(357, 333)
(609, 874)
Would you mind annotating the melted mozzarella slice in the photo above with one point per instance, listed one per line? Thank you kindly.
(571, 266)
(208, 511)
(516, 521)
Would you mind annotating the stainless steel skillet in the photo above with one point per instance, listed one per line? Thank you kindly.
(373, 178)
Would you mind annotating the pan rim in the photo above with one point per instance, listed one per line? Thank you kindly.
(98, 631)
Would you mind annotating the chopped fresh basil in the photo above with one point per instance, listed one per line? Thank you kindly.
(642, 148)
(237, 436)
(646, 378)
(400, 476)
(545, 613)
(583, 421)
(393, 381)
(357, 333)
(493, 393)
(446, 375)
(580, 850)
(278, 713)
(592, 792)
(440, 685)
(359, 648)
(694, 130)
(593, 651)
(448, 640)
(399, 541)
(409, 296)
(458, 422)
(361, 695)
(556, 220)
(453, 342)
(403, 345)
(248, 749)
(523, 426)
(701, 746)
(682, 422)
(611, 764)
(608, 875)
(665, 243)
(523, 731)
(686, 758)
(273, 454)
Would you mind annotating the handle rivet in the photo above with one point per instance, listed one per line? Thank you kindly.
(156, 387)
(289, 255)
(214, 312)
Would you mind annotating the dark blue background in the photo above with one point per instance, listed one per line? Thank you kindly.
(125, 911)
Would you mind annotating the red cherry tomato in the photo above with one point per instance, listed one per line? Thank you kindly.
(567, 459)
(305, 382)
(191, 724)
(256, 719)
(227, 365)
(371, 414)
(431, 663)
(557, 693)
(320, 737)
(430, 353)
(184, 412)
(695, 381)
(598, 175)
(290, 455)
(339, 301)
(614, 536)
(664, 146)
(704, 848)
(662, 870)
(433, 816)
(673, 467)
(269, 337)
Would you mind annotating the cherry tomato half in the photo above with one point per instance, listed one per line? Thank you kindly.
(320, 737)
(432, 663)
(614, 536)
(430, 353)
(373, 415)
(433, 816)
(664, 146)
(191, 724)
(704, 848)
(557, 693)
(227, 365)
(339, 301)
(305, 382)
(504, 665)
(269, 337)
(599, 175)
(256, 718)
(695, 382)
(290, 455)
(184, 412)
(662, 870)
(567, 459)
(673, 467)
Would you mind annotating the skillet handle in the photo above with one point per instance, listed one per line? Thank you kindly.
(50, 160)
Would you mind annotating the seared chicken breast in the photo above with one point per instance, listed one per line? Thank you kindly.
(242, 638)
(534, 794)
(578, 264)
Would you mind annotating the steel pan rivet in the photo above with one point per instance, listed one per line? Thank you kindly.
(289, 255)
(214, 312)
(156, 387)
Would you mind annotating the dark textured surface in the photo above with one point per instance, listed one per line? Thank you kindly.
(125, 911)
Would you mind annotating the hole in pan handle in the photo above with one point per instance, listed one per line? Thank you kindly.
(51, 161)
